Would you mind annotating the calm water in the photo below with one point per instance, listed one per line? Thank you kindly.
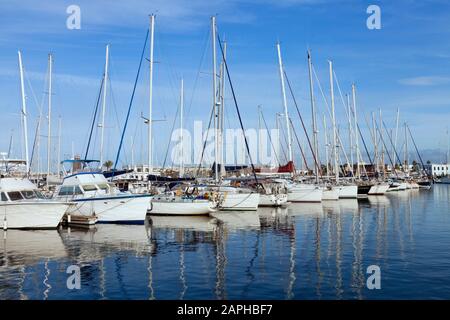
(308, 251)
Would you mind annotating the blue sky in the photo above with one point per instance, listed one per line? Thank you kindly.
(404, 65)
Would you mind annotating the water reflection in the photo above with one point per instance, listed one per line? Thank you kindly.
(305, 251)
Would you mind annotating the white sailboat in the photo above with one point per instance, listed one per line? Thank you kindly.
(226, 197)
(172, 204)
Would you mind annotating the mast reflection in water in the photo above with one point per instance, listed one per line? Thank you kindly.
(307, 251)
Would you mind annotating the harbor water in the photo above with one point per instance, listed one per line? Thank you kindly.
(305, 251)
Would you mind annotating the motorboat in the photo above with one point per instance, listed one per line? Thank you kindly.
(93, 195)
(22, 206)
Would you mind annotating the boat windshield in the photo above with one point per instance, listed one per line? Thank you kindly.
(32, 194)
(15, 196)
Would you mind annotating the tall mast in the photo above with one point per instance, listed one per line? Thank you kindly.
(313, 115)
(350, 134)
(396, 135)
(105, 82)
(59, 146)
(49, 137)
(358, 172)
(406, 152)
(325, 129)
(215, 104)
(150, 105)
(382, 162)
(333, 116)
(24, 113)
(222, 109)
(286, 114)
(181, 128)
(374, 136)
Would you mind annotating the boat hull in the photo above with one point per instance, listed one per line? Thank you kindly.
(378, 189)
(30, 215)
(239, 201)
(180, 208)
(348, 192)
(305, 193)
(273, 200)
(125, 209)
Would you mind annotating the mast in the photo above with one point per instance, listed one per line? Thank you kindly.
(215, 104)
(382, 162)
(49, 137)
(150, 105)
(358, 172)
(396, 135)
(375, 142)
(313, 115)
(350, 135)
(326, 145)
(333, 116)
(181, 128)
(406, 152)
(59, 146)
(24, 113)
(222, 109)
(286, 114)
(105, 82)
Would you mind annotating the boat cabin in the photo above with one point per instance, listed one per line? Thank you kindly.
(17, 189)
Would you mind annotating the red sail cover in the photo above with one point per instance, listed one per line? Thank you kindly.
(287, 168)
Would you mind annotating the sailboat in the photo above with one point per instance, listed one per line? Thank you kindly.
(173, 203)
(22, 206)
(227, 197)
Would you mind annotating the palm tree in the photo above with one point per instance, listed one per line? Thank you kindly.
(108, 164)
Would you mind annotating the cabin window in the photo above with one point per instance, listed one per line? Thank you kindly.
(65, 191)
(28, 194)
(103, 186)
(14, 196)
(89, 187)
(39, 194)
(77, 190)
(4, 197)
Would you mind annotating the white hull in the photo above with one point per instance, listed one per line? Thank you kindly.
(378, 189)
(240, 201)
(113, 209)
(200, 207)
(305, 193)
(348, 192)
(330, 194)
(32, 215)
(272, 200)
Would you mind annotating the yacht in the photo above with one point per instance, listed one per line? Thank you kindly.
(22, 206)
(92, 195)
